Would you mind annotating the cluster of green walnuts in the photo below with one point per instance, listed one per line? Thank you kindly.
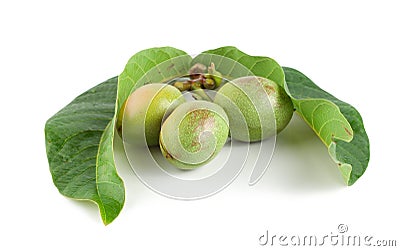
(192, 133)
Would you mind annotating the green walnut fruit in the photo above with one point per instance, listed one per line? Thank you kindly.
(194, 134)
(141, 115)
(257, 108)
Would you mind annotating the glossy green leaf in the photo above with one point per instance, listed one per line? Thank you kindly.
(79, 141)
(241, 64)
(336, 123)
(155, 65)
(80, 137)
(340, 124)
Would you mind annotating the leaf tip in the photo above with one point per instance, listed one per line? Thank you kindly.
(345, 170)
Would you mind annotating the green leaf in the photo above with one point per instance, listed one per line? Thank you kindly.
(242, 64)
(345, 136)
(80, 137)
(79, 141)
(155, 65)
(110, 187)
(336, 123)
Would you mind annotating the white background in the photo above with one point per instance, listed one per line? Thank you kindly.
(50, 52)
